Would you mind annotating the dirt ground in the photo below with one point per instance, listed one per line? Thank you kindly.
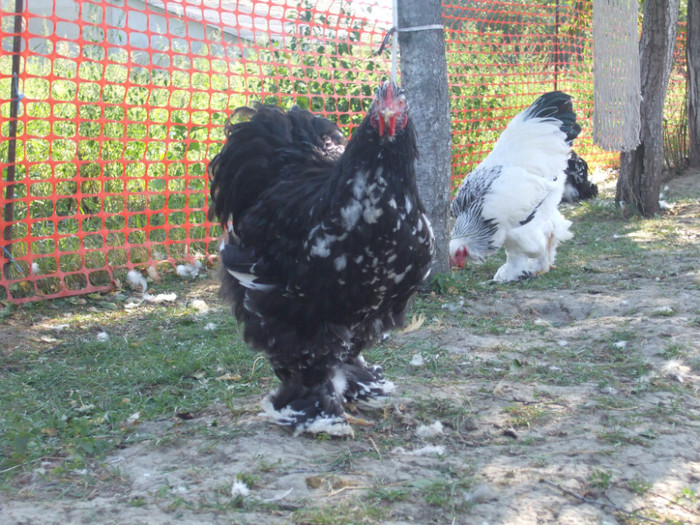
(586, 411)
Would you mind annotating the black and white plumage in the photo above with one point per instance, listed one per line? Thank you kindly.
(577, 186)
(511, 199)
(327, 241)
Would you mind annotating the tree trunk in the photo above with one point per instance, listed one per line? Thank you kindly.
(692, 53)
(641, 169)
(424, 76)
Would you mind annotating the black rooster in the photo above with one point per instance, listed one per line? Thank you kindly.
(327, 241)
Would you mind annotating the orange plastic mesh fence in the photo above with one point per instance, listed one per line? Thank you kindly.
(109, 111)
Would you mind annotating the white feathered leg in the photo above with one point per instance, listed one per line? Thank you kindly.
(522, 245)
(561, 233)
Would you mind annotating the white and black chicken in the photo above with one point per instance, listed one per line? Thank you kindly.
(511, 199)
(326, 242)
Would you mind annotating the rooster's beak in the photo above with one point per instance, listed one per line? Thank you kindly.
(387, 122)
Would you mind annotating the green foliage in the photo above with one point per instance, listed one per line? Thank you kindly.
(600, 479)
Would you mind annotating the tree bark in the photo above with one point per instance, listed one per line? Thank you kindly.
(692, 53)
(424, 77)
(641, 169)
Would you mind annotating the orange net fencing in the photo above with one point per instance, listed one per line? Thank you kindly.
(109, 111)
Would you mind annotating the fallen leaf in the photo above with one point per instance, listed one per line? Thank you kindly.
(132, 420)
(415, 324)
(229, 377)
(314, 482)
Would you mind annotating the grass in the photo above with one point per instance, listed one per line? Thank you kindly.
(600, 479)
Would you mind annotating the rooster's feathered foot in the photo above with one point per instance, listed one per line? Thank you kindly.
(362, 381)
(312, 410)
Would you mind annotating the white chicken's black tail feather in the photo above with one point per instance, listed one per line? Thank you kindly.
(578, 187)
(556, 105)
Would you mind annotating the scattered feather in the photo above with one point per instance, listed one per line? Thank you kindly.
(481, 494)
(453, 307)
(665, 205)
(200, 306)
(417, 360)
(428, 450)
(663, 310)
(160, 298)
(620, 344)
(279, 496)
(239, 489)
(148, 298)
(35, 269)
(135, 279)
(188, 270)
(128, 305)
(676, 370)
(210, 327)
(103, 337)
(429, 431)
(132, 420)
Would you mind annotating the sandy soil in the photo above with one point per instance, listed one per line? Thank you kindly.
(584, 411)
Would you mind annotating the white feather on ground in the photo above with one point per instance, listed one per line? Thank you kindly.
(417, 360)
(429, 431)
(676, 370)
(136, 280)
(239, 489)
(428, 450)
(188, 270)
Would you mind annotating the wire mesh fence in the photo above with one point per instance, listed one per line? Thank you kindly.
(110, 110)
